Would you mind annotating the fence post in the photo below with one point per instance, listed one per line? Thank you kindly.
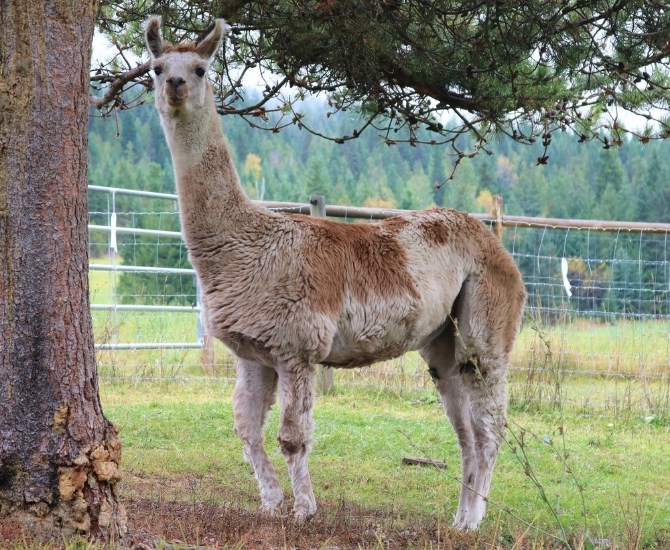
(498, 207)
(114, 253)
(207, 357)
(324, 375)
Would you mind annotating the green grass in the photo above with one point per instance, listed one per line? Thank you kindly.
(101, 284)
(145, 326)
(595, 444)
(619, 468)
(624, 347)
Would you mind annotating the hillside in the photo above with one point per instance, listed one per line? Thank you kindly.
(581, 180)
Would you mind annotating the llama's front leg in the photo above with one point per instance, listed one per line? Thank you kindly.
(295, 433)
(255, 393)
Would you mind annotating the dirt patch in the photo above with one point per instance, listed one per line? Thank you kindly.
(344, 526)
(179, 525)
(12, 534)
(197, 512)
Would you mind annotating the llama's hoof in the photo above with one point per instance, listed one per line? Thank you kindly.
(464, 524)
(303, 511)
(470, 518)
(300, 518)
(271, 510)
(273, 507)
(272, 498)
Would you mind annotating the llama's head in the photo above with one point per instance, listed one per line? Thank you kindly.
(180, 71)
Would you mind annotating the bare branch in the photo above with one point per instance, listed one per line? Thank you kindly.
(118, 84)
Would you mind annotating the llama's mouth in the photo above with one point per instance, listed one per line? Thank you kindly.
(175, 101)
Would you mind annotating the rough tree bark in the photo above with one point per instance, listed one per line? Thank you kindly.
(59, 456)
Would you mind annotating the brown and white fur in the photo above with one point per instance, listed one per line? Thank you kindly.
(285, 292)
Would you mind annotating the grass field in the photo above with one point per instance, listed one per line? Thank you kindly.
(565, 478)
(585, 465)
(605, 481)
(638, 348)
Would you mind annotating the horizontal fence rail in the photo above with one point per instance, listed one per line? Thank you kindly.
(579, 225)
(135, 231)
(359, 212)
(132, 192)
(141, 269)
(599, 293)
(144, 307)
(149, 346)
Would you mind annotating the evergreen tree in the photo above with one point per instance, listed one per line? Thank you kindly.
(653, 193)
(530, 191)
(417, 192)
(461, 192)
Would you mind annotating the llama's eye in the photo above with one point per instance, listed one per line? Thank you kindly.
(158, 71)
(200, 71)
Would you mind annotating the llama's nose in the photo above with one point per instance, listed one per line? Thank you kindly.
(175, 82)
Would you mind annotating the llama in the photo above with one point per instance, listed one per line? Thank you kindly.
(286, 292)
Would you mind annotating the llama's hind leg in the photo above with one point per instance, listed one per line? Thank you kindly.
(295, 433)
(473, 395)
(488, 313)
(255, 393)
(440, 355)
(484, 382)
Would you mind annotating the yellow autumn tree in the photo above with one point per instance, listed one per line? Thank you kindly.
(484, 201)
(252, 167)
(254, 184)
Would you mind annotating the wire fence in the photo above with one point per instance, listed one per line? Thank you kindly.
(596, 331)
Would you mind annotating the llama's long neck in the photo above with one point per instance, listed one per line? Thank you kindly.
(211, 200)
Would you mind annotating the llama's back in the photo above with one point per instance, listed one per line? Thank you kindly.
(347, 294)
(467, 251)
(390, 286)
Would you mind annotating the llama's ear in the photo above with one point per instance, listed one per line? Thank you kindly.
(153, 38)
(208, 46)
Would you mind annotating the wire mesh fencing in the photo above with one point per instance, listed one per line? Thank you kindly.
(598, 314)
(596, 332)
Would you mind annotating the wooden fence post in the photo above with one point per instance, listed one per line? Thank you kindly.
(324, 375)
(498, 207)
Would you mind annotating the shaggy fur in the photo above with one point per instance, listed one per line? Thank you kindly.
(285, 292)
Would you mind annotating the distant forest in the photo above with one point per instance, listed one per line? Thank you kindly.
(581, 180)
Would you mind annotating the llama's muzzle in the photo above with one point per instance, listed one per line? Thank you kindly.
(176, 91)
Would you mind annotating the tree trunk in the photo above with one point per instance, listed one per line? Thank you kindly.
(59, 456)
